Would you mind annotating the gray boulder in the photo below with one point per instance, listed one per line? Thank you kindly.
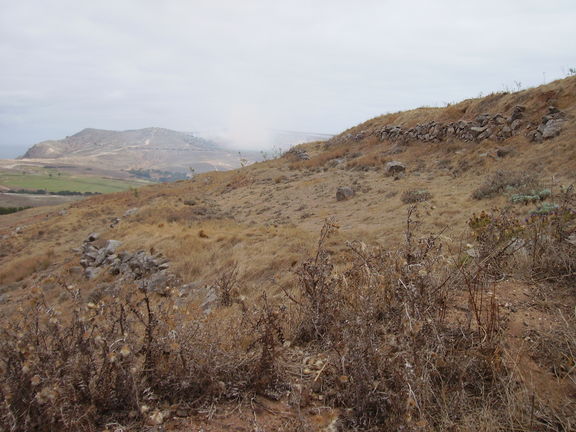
(156, 283)
(92, 237)
(394, 167)
(91, 272)
(517, 113)
(111, 246)
(551, 129)
(516, 124)
(343, 193)
(478, 129)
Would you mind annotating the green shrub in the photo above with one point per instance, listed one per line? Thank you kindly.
(545, 209)
(532, 197)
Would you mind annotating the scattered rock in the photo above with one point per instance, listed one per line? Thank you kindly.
(91, 272)
(210, 300)
(478, 130)
(76, 270)
(503, 152)
(551, 129)
(343, 193)
(131, 211)
(394, 167)
(335, 162)
(93, 237)
(517, 113)
(158, 283)
(499, 119)
(111, 246)
(515, 125)
(483, 119)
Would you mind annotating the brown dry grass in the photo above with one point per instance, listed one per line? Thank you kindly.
(389, 347)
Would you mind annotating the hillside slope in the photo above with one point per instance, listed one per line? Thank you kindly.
(305, 292)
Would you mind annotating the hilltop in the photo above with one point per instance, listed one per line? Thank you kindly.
(414, 272)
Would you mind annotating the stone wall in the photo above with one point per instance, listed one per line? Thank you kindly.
(486, 126)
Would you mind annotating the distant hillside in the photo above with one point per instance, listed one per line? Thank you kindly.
(149, 148)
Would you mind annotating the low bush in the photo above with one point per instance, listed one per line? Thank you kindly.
(415, 196)
(541, 240)
(501, 181)
(117, 359)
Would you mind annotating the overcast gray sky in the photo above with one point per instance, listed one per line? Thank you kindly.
(313, 65)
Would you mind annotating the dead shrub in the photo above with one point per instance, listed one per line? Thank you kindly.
(555, 349)
(392, 361)
(318, 300)
(543, 241)
(226, 283)
(551, 240)
(115, 360)
(269, 340)
(414, 196)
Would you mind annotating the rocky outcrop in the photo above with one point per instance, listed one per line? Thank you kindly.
(485, 126)
(550, 126)
(151, 271)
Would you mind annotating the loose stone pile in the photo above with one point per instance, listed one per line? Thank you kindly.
(150, 270)
(299, 153)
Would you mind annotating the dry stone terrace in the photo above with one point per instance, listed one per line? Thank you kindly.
(485, 126)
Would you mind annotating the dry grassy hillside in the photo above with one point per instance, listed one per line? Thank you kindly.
(414, 311)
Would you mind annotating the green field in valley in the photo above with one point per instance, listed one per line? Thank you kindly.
(58, 182)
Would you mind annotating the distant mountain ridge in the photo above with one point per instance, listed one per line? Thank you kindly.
(89, 140)
(152, 147)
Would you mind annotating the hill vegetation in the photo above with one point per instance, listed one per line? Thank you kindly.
(435, 293)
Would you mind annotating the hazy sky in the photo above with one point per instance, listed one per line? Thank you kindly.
(314, 65)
